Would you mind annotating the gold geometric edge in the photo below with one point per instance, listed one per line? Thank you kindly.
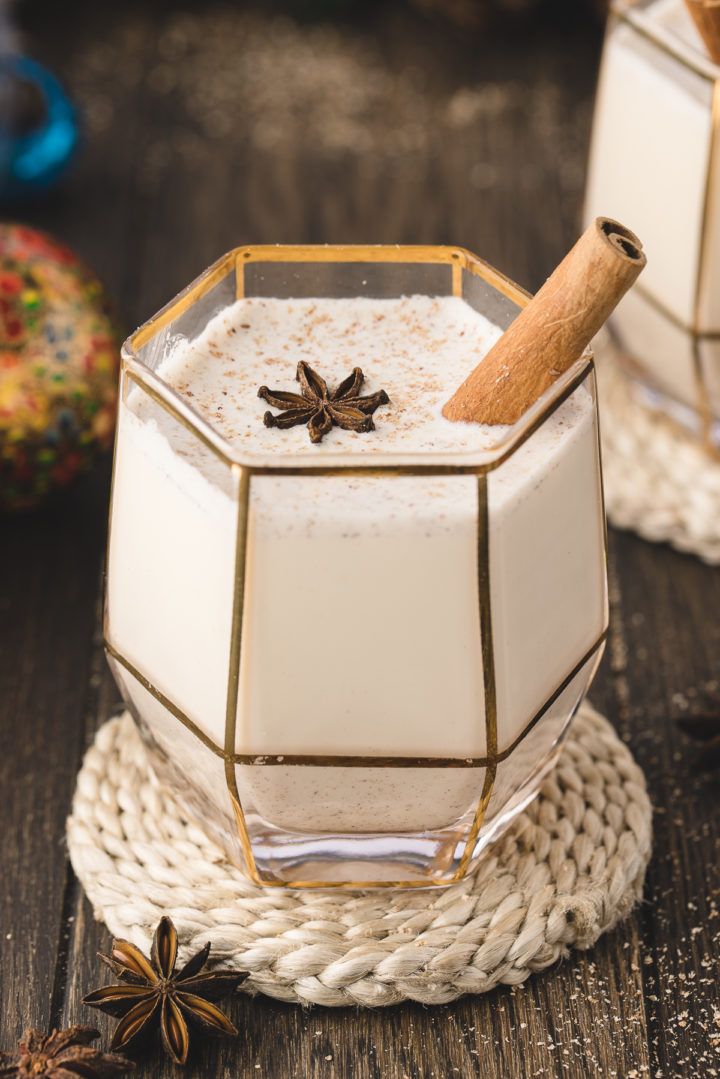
(629, 17)
(184, 300)
(687, 328)
(451, 256)
(457, 258)
(241, 562)
(488, 668)
(261, 760)
(704, 405)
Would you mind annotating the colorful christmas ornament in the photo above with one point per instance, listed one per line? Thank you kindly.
(59, 356)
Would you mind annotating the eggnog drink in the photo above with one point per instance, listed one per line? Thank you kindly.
(361, 629)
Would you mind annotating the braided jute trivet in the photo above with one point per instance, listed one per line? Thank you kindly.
(571, 866)
(658, 480)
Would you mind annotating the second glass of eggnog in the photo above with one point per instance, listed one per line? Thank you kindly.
(353, 659)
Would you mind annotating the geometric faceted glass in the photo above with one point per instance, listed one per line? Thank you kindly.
(654, 161)
(485, 634)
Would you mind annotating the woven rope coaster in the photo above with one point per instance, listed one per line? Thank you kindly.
(571, 866)
(658, 481)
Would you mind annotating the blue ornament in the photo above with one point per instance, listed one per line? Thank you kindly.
(33, 156)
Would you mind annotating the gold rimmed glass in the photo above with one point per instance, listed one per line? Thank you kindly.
(654, 161)
(186, 595)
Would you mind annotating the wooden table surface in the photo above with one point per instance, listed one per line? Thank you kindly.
(217, 125)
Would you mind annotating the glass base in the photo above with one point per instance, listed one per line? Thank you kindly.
(302, 859)
(420, 860)
(355, 852)
(416, 859)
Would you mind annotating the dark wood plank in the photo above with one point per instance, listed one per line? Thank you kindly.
(50, 567)
(50, 581)
(667, 665)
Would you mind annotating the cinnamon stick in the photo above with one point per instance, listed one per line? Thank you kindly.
(706, 16)
(553, 330)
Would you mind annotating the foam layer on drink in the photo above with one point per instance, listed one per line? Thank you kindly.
(361, 631)
(414, 348)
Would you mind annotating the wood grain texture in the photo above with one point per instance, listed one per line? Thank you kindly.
(429, 136)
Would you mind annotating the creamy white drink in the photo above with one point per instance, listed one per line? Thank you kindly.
(361, 630)
(653, 161)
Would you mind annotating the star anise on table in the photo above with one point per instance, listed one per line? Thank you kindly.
(153, 995)
(320, 408)
(62, 1054)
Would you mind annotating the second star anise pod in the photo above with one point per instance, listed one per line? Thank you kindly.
(320, 408)
(62, 1054)
(152, 995)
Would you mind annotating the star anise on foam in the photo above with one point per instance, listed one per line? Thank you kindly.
(153, 995)
(319, 408)
(62, 1054)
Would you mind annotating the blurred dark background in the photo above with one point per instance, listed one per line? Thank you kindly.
(208, 125)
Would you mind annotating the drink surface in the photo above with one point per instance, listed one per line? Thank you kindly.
(416, 348)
